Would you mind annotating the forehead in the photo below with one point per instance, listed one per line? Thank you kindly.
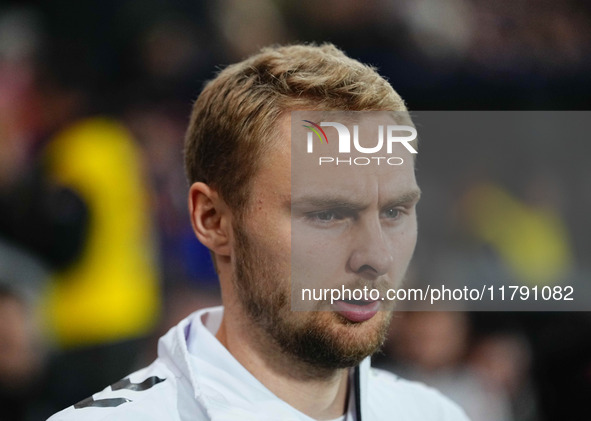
(287, 173)
(380, 175)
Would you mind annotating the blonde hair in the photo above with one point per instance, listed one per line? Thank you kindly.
(234, 120)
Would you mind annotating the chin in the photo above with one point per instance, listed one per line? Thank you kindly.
(364, 338)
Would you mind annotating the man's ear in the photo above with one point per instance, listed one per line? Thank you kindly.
(210, 218)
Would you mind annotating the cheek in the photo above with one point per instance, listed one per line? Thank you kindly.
(317, 257)
(404, 243)
(271, 229)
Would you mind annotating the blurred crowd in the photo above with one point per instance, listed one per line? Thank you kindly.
(97, 256)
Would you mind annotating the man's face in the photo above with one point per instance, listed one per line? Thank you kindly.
(324, 227)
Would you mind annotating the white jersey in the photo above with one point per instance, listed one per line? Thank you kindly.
(195, 378)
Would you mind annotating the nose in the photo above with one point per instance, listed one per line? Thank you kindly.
(372, 254)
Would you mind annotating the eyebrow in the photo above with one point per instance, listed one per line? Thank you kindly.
(408, 197)
(328, 202)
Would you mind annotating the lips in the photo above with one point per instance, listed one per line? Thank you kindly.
(357, 311)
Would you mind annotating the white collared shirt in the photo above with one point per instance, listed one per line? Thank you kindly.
(196, 378)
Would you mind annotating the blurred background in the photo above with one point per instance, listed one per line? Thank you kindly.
(97, 257)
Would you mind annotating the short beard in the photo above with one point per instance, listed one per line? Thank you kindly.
(317, 340)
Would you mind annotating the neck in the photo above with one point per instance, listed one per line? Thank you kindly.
(319, 394)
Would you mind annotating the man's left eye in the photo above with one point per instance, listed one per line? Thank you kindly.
(392, 213)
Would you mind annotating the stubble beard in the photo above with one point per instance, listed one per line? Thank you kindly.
(320, 341)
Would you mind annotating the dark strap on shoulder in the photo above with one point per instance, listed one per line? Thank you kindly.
(357, 394)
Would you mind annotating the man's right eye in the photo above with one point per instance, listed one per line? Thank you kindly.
(325, 216)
